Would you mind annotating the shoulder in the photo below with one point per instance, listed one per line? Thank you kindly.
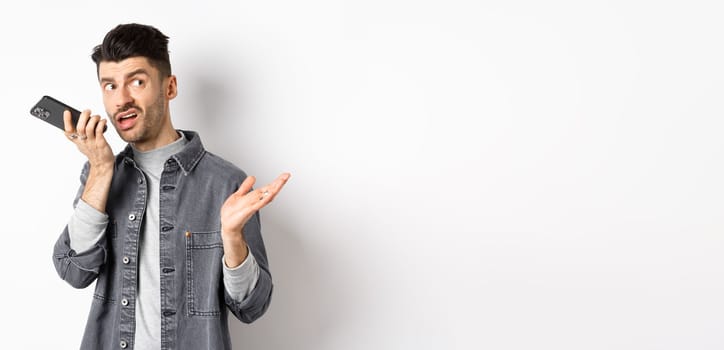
(207, 165)
(220, 167)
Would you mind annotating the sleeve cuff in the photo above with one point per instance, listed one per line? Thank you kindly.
(86, 227)
(240, 281)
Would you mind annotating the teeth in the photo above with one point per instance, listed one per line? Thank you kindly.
(129, 116)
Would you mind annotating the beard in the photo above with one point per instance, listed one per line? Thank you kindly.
(147, 128)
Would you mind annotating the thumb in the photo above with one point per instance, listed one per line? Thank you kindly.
(246, 185)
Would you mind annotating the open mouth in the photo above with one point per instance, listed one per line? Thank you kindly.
(126, 120)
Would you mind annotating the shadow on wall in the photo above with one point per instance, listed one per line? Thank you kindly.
(305, 306)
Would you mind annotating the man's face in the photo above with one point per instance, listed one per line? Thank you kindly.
(136, 99)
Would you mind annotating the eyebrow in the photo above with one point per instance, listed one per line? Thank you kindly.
(130, 74)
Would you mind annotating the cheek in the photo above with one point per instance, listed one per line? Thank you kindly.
(109, 107)
(141, 99)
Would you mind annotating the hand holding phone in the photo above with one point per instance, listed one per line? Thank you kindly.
(51, 111)
(93, 146)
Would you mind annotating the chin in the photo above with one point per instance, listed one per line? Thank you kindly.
(128, 136)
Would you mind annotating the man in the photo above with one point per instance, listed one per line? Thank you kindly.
(169, 231)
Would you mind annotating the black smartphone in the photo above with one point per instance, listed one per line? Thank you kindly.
(51, 111)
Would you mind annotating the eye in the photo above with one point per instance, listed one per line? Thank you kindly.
(137, 82)
(109, 87)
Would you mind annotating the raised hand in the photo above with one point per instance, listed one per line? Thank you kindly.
(239, 207)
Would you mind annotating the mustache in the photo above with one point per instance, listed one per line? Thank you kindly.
(126, 107)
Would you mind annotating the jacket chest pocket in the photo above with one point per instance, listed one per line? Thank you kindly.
(204, 251)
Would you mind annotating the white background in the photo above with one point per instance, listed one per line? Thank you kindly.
(465, 174)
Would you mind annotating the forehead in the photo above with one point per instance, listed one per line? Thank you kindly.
(108, 70)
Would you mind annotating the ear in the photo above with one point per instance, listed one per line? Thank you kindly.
(171, 87)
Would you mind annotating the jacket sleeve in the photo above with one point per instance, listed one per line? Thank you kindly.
(257, 302)
(78, 269)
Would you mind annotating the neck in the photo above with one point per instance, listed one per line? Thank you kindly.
(166, 136)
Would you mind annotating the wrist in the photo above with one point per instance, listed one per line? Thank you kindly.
(235, 249)
(101, 169)
(231, 236)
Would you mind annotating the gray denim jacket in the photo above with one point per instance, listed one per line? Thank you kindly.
(194, 185)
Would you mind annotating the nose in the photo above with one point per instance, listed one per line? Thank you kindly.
(123, 97)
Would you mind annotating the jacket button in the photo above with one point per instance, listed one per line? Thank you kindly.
(131, 217)
(123, 344)
(140, 180)
(124, 302)
(126, 260)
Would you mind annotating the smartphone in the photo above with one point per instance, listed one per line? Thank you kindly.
(51, 111)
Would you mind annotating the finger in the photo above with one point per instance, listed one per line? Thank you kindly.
(254, 200)
(246, 185)
(276, 186)
(267, 195)
(282, 180)
(82, 122)
(271, 194)
(266, 198)
(265, 192)
(101, 127)
(68, 123)
(257, 200)
(92, 124)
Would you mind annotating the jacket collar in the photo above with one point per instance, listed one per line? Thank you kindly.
(187, 159)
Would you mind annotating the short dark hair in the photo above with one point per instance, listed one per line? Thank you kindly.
(134, 40)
